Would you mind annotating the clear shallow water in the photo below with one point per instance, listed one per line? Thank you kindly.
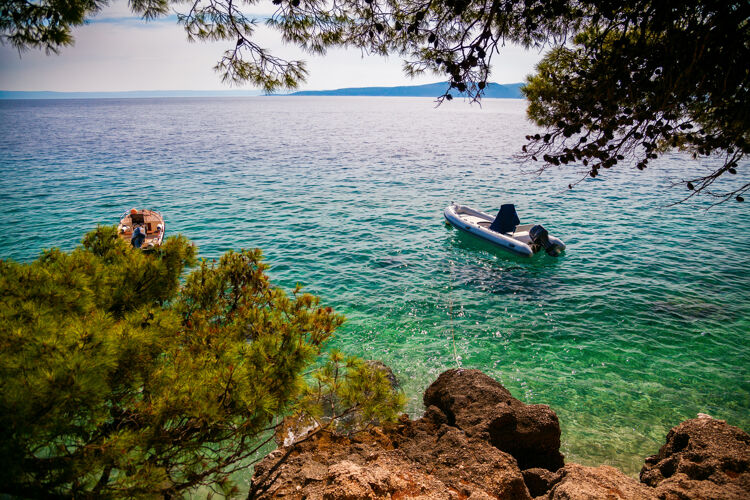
(642, 323)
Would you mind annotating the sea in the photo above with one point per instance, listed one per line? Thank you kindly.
(643, 322)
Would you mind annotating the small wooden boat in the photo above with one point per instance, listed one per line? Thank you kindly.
(143, 229)
(504, 230)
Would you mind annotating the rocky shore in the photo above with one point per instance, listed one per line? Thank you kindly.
(476, 441)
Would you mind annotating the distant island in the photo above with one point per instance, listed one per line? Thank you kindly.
(496, 90)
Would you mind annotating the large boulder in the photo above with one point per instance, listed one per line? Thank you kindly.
(484, 409)
(471, 466)
(577, 482)
(703, 458)
(422, 459)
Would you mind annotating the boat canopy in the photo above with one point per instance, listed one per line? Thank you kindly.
(506, 220)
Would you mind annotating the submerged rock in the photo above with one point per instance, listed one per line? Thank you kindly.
(379, 365)
(484, 409)
(703, 458)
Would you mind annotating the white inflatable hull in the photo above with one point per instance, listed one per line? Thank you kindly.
(477, 223)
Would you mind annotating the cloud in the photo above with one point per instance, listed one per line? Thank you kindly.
(133, 20)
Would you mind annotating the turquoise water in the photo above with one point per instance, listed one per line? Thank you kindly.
(642, 323)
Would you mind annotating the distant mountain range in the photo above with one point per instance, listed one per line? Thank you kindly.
(507, 91)
(10, 94)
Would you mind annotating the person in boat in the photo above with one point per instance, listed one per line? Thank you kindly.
(139, 236)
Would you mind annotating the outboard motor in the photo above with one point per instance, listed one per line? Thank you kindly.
(540, 236)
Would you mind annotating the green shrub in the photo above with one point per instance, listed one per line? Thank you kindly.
(118, 381)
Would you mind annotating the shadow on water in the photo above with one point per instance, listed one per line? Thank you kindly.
(461, 239)
(390, 262)
(482, 266)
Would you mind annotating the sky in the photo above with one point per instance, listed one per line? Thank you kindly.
(117, 51)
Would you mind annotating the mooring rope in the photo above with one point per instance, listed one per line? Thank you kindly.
(450, 312)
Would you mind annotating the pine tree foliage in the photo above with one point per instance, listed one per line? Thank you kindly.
(118, 381)
(347, 396)
(645, 78)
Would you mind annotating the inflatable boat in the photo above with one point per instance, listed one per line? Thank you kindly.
(504, 230)
(143, 229)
